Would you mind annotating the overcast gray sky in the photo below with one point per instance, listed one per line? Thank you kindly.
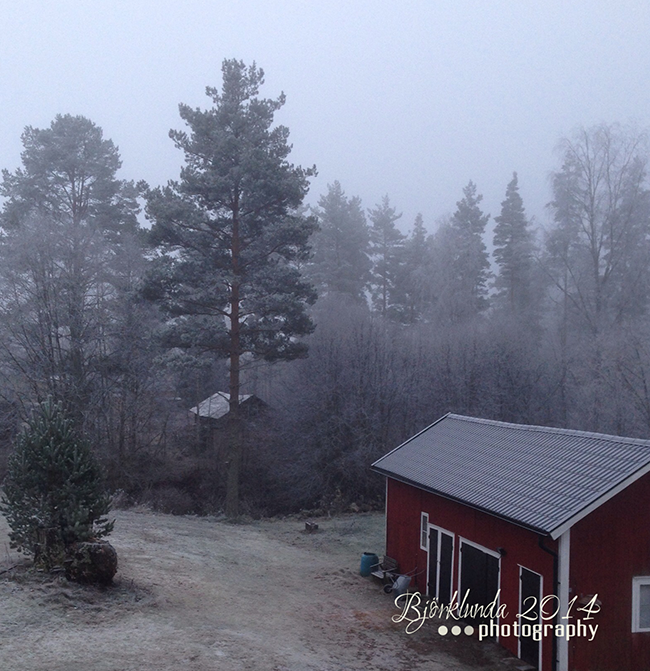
(410, 98)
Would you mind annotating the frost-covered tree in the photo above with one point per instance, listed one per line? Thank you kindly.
(67, 223)
(53, 492)
(231, 238)
(340, 262)
(461, 264)
(386, 248)
(514, 248)
(599, 251)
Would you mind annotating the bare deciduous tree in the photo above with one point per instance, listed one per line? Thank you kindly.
(599, 250)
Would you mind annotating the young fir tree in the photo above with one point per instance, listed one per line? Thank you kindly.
(231, 239)
(53, 493)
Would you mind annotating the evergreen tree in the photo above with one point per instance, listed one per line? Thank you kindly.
(386, 248)
(231, 238)
(53, 494)
(412, 289)
(513, 251)
(417, 242)
(462, 268)
(340, 263)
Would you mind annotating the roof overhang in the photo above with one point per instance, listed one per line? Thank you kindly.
(596, 503)
(554, 533)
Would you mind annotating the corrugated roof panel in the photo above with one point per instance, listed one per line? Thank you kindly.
(536, 476)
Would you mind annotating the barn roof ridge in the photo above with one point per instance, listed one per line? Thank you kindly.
(595, 435)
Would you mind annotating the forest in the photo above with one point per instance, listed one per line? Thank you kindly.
(131, 304)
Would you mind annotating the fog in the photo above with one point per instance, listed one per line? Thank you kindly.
(411, 99)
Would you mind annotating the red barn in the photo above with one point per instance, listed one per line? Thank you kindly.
(533, 520)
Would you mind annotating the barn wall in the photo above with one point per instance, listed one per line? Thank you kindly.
(405, 503)
(402, 529)
(608, 548)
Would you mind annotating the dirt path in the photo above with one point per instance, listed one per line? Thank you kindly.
(193, 593)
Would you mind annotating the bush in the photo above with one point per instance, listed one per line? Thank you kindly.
(53, 493)
(94, 562)
(172, 500)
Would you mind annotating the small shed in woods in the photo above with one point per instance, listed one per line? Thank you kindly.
(533, 516)
(217, 406)
(212, 415)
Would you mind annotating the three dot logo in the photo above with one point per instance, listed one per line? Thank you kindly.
(443, 630)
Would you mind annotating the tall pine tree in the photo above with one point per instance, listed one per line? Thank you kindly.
(231, 238)
(412, 286)
(386, 247)
(513, 250)
(462, 267)
(340, 263)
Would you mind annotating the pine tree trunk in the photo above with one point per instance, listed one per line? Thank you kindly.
(235, 446)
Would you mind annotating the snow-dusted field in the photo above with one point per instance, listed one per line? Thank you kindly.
(198, 594)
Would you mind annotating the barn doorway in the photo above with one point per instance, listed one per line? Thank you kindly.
(440, 564)
(530, 597)
(479, 573)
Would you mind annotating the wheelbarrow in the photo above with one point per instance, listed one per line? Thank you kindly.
(387, 572)
(398, 585)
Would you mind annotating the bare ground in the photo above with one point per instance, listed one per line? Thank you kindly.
(199, 594)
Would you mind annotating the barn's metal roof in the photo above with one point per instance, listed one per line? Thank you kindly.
(541, 478)
(217, 405)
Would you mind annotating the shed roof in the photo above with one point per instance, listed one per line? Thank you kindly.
(541, 478)
(217, 405)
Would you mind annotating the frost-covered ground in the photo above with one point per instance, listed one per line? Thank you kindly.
(198, 594)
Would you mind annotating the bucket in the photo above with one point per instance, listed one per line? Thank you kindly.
(368, 560)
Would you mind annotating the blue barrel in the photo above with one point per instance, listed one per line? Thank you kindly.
(368, 560)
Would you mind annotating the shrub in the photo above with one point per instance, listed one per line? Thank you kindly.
(53, 493)
(172, 500)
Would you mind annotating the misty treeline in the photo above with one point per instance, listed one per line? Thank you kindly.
(500, 318)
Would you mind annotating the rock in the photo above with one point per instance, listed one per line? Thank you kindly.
(93, 562)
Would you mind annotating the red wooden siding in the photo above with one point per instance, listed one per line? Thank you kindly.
(405, 503)
(608, 548)
(402, 529)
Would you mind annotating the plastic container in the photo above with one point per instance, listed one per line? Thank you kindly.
(368, 560)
